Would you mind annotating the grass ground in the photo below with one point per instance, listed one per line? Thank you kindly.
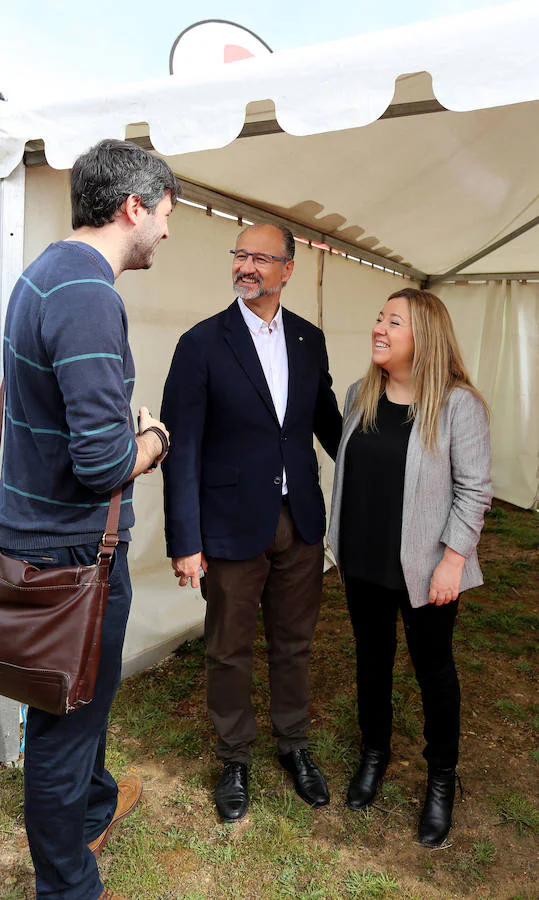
(174, 847)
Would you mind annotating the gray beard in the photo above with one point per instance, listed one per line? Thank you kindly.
(245, 292)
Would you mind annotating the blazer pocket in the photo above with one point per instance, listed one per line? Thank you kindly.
(219, 499)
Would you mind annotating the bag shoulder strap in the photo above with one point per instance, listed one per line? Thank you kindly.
(109, 539)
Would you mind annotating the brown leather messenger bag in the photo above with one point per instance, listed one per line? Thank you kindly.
(51, 622)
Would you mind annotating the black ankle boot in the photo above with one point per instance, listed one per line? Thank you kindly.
(364, 784)
(435, 820)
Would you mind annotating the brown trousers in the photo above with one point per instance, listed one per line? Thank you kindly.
(287, 581)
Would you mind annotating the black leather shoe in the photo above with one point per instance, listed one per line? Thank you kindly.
(309, 782)
(435, 820)
(231, 793)
(362, 789)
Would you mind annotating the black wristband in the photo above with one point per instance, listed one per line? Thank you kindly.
(162, 437)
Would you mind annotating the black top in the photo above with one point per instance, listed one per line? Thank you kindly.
(371, 514)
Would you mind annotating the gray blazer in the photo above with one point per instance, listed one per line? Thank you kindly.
(446, 492)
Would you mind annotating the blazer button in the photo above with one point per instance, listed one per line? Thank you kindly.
(277, 480)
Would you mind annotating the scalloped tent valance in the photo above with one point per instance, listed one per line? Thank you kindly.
(478, 60)
(342, 140)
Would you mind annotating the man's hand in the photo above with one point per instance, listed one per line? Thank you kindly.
(146, 420)
(188, 567)
(148, 444)
(446, 578)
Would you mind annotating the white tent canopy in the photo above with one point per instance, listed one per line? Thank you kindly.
(429, 191)
(412, 150)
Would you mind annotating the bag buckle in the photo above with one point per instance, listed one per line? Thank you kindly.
(109, 541)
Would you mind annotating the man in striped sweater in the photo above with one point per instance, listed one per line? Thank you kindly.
(70, 441)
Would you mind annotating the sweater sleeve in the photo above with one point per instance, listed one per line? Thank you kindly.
(84, 332)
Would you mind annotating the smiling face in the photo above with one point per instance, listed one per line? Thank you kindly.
(392, 338)
(251, 280)
(152, 228)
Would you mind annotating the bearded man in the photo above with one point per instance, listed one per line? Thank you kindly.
(69, 442)
(246, 391)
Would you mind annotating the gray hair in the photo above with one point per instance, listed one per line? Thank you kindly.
(107, 174)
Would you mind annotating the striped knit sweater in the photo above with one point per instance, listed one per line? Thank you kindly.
(68, 434)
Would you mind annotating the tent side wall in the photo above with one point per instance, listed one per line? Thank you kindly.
(497, 328)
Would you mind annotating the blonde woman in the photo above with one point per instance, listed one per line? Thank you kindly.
(412, 484)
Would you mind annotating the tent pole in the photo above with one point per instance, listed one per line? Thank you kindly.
(465, 277)
(434, 279)
(11, 266)
(320, 288)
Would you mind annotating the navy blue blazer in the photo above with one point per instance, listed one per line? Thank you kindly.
(223, 474)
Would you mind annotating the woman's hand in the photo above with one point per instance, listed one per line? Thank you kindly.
(446, 578)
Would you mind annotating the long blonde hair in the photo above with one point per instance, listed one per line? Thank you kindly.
(437, 367)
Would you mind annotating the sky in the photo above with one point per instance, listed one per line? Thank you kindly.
(46, 45)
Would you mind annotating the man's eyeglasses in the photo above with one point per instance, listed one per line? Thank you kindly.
(259, 259)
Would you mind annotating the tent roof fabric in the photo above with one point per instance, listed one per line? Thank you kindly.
(429, 190)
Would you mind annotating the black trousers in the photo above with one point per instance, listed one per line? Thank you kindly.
(286, 580)
(429, 633)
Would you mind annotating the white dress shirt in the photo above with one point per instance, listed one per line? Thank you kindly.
(270, 344)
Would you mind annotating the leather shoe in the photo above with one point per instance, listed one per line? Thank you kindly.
(435, 820)
(129, 794)
(309, 782)
(110, 895)
(231, 791)
(362, 789)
